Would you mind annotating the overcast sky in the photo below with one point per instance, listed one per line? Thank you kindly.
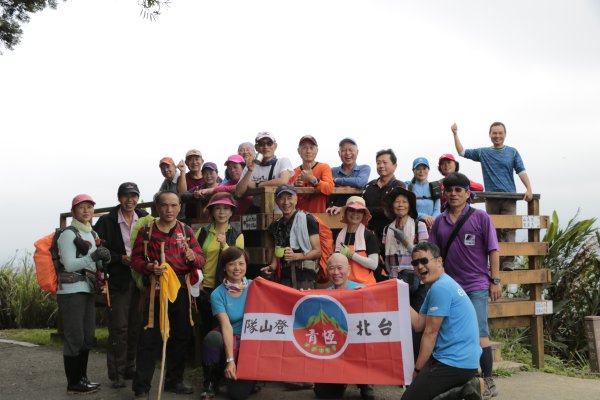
(95, 95)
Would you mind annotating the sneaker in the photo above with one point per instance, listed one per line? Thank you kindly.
(490, 388)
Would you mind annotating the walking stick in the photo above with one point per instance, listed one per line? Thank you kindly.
(164, 336)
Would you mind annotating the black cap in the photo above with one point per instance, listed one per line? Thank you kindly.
(128, 187)
(456, 179)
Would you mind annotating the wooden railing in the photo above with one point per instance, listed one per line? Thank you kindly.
(504, 313)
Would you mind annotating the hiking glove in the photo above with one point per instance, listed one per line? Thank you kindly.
(83, 246)
(398, 234)
(101, 253)
(346, 251)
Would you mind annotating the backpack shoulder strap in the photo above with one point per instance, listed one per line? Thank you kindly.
(201, 235)
(435, 189)
(272, 169)
(454, 233)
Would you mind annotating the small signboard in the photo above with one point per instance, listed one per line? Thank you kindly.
(531, 222)
(543, 307)
(250, 222)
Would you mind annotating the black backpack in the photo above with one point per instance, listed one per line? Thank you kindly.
(434, 188)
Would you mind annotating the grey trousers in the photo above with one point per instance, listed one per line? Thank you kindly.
(78, 313)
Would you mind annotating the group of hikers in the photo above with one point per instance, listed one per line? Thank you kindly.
(422, 232)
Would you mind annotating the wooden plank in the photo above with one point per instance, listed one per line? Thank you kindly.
(523, 249)
(503, 195)
(516, 222)
(508, 322)
(526, 276)
(511, 308)
(537, 341)
(332, 221)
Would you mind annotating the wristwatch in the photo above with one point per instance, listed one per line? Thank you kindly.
(230, 359)
(495, 281)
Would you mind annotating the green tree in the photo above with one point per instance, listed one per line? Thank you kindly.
(14, 13)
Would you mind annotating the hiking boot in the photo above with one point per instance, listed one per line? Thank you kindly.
(490, 388)
(367, 392)
(473, 389)
(453, 394)
(179, 388)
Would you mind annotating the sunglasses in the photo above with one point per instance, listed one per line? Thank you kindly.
(456, 189)
(265, 143)
(421, 261)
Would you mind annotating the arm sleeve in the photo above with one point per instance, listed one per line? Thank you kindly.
(101, 229)
(518, 163)
(195, 246)
(422, 233)
(326, 184)
(312, 225)
(436, 208)
(68, 254)
(137, 253)
(356, 181)
(217, 304)
(472, 154)
(370, 262)
(440, 301)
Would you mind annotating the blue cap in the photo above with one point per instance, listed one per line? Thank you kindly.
(420, 161)
(285, 189)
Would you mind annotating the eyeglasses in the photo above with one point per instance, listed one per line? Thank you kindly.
(421, 261)
(265, 143)
(456, 189)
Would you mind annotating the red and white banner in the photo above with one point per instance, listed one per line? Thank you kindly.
(329, 336)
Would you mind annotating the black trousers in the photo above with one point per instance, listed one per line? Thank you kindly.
(124, 323)
(436, 378)
(150, 343)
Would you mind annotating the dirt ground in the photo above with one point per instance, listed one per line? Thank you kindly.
(36, 373)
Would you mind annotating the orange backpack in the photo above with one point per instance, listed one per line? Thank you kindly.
(47, 260)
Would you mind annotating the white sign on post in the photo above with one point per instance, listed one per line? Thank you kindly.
(249, 222)
(531, 221)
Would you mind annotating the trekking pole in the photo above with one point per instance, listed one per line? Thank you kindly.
(164, 336)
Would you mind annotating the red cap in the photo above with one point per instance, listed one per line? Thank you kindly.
(80, 198)
(447, 156)
(235, 159)
(166, 160)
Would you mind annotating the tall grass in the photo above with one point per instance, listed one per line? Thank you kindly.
(22, 303)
